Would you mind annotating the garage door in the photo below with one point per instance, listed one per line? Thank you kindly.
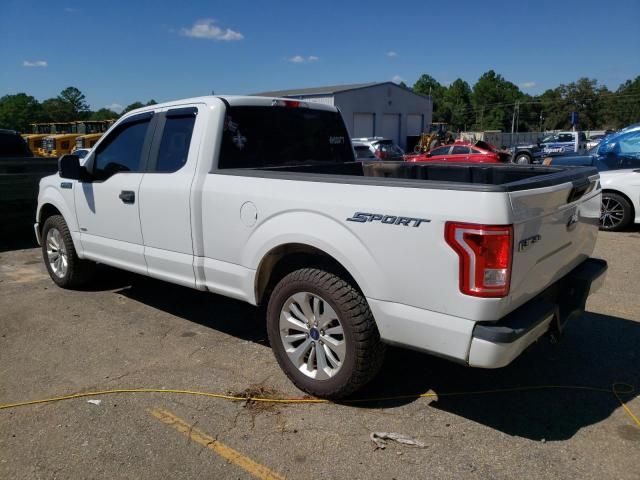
(414, 124)
(362, 125)
(390, 127)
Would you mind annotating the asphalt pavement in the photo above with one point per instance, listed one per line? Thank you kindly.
(131, 332)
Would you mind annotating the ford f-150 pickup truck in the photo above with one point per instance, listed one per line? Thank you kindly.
(261, 200)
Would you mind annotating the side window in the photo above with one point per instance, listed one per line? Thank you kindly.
(566, 137)
(473, 150)
(440, 151)
(121, 151)
(582, 137)
(630, 143)
(458, 150)
(176, 139)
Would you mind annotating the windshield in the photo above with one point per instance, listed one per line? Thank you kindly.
(255, 137)
(549, 139)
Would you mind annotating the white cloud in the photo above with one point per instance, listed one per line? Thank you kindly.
(528, 85)
(392, 54)
(397, 79)
(206, 28)
(301, 59)
(116, 107)
(35, 63)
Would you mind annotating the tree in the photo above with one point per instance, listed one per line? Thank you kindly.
(457, 102)
(104, 114)
(494, 100)
(75, 100)
(56, 110)
(427, 85)
(135, 105)
(18, 111)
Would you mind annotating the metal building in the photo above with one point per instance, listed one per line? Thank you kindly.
(372, 109)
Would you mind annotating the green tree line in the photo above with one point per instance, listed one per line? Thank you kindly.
(18, 111)
(494, 103)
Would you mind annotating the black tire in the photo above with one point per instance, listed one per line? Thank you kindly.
(522, 159)
(364, 352)
(615, 213)
(78, 272)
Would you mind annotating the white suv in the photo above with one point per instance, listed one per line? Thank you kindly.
(376, 148)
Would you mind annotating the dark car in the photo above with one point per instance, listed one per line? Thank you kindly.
(13, 145)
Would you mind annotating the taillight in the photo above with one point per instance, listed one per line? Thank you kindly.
(485, 253)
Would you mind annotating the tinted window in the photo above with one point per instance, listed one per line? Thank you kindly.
(121, 150)
(440, 151)
(278, 136)
(174, 146)
(565, 137)
(457, 150)
(364, 152)
(473, 150)
(582, 137)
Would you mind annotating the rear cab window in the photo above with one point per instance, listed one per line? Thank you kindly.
(273, 136)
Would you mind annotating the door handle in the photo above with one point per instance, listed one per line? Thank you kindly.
(127, 196)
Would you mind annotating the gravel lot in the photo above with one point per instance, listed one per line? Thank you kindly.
(132, 332)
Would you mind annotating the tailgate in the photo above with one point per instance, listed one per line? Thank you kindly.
(555, 229)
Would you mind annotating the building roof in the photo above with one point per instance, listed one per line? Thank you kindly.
(328, 90)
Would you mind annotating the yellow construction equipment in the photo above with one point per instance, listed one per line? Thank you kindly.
(438, 134)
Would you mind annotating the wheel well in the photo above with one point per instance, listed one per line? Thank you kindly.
(633, 211)
(47, 211)
(522, 152)
(285, 259)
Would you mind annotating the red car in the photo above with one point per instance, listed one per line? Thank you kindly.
(462, 152)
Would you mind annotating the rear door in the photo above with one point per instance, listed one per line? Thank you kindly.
(165, 195)
(107, 206)
(460, 153)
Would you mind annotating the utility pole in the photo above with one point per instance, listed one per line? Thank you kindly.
(516, 113)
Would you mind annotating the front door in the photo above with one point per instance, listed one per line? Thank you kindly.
(107, 206)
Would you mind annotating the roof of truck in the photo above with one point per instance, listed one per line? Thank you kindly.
(234, 100)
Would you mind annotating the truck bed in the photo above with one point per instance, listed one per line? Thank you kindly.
(481, 177)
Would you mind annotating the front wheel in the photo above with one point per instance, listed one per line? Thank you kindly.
(615, 212)
(523, 159)
(59, 254)
(323, 334)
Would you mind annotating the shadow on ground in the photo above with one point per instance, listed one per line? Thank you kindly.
(597, 351)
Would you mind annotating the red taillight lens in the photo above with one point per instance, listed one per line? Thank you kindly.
(485, 253)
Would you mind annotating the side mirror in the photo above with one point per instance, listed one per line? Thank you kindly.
(69, 167)
(429, 154)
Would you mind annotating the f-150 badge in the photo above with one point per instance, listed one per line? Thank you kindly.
(387, 219)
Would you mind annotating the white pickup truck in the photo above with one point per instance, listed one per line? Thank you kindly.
(261, 200)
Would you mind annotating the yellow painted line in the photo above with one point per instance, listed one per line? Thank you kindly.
(216, 446)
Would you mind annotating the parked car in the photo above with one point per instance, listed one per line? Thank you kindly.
(617, 158)
(20, 173)
(13, 145)
(260, 199)
(462, 152)
(559, 143)
(376, 148)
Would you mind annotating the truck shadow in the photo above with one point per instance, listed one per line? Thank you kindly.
(597, 351)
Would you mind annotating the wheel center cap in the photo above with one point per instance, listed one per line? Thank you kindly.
(314, 334)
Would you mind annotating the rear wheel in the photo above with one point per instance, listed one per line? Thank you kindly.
(522, 159)
(323, 334)
(615, 212)
(59, 254)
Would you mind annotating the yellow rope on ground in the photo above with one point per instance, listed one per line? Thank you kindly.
(616, 389)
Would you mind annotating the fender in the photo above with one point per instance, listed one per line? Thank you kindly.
(325, 234)
(51, 195)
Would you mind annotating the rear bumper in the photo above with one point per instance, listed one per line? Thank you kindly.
(495, 345)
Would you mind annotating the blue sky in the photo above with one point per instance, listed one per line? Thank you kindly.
(118, 52)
